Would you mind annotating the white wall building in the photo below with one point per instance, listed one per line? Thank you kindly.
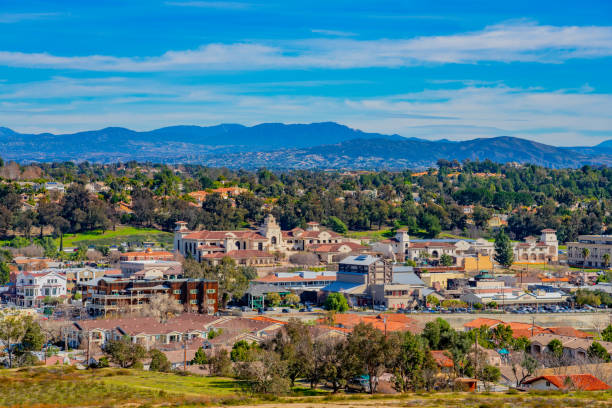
(33, 287)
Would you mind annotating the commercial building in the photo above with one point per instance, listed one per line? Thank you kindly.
(597, 246)
(115, 296)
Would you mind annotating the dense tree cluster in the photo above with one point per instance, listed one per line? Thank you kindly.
(574, 201)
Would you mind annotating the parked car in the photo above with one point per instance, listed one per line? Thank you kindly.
(286, 311)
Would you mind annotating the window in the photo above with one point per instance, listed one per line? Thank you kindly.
(193, 291)
(210, 301)
(177, 291)
(210, 291)
(193, 302)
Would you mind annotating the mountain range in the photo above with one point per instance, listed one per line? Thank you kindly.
(325, 145)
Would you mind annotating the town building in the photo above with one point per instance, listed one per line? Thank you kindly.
(151, 268)
(147, 256)
(115, 296)
(31, 288)
(597, 246)
(302, 280)
(269, 237)
(532, 250)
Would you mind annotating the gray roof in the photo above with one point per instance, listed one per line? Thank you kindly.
(359, 260)
(259, 289)
(407, 278)
(340, 286)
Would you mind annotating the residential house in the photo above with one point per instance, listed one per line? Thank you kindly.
(575, 348)
(581, 382)
(597, 246)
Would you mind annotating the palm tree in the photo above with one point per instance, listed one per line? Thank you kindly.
(585, 254)
(606, 259)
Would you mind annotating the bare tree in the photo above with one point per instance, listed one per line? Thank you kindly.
(162, 307)
(304, 258)
(94, 255)
(523, 366)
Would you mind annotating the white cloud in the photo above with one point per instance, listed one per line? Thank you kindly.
(509, 42)
(231, 5)
(333, 33)
(8, 18)
(560, 117)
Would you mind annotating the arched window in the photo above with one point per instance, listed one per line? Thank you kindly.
(273, 240)
(237, 245)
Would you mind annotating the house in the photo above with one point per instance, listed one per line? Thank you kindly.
(31, 288)
(575, 348)
(528, 330)
(385, 322)
(582, 382)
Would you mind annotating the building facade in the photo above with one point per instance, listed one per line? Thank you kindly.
(31, 288)
(110, 296)
(597, 246)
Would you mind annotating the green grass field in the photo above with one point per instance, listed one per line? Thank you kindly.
(121, 234)
(61, 386)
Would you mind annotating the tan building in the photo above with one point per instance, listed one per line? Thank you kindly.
(267, 238)
(598, 245)
(532, 250)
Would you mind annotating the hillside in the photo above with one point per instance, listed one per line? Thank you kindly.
(276, 145)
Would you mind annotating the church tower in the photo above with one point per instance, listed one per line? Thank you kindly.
(271, 230)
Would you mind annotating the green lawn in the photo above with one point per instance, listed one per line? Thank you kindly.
(121, 234)
(172, 383)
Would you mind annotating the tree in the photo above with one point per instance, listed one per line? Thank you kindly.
(220, 364)
(291, 299)
(432, 300)
(162, 307)
(585, 254)
(337, 225)
(606, 259)
(502, 336)
(504, 254)
(446, 260)
(266, 374)
(556, 348)
(336, 302)
(124, 353)
(159, 361)
(295, 346)
(273, 299)
(523, 366)
(5, 273)
(304, 258)
(489, 374)
(596, 350)
(33, 338)
(13, 327)
(200, 357)
(370, 348)
(606, 334)
(243, 350)
(411, 363)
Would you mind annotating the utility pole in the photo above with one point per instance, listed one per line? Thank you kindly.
(185, 352)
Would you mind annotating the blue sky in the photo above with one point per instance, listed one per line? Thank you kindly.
(436, 69)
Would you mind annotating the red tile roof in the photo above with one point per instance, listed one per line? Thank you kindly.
(442, 358)
(273, 278)
(583, 382)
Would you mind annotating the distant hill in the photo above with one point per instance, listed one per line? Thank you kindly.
(276, 145)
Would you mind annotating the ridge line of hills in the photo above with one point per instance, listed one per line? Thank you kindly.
(326, 145)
